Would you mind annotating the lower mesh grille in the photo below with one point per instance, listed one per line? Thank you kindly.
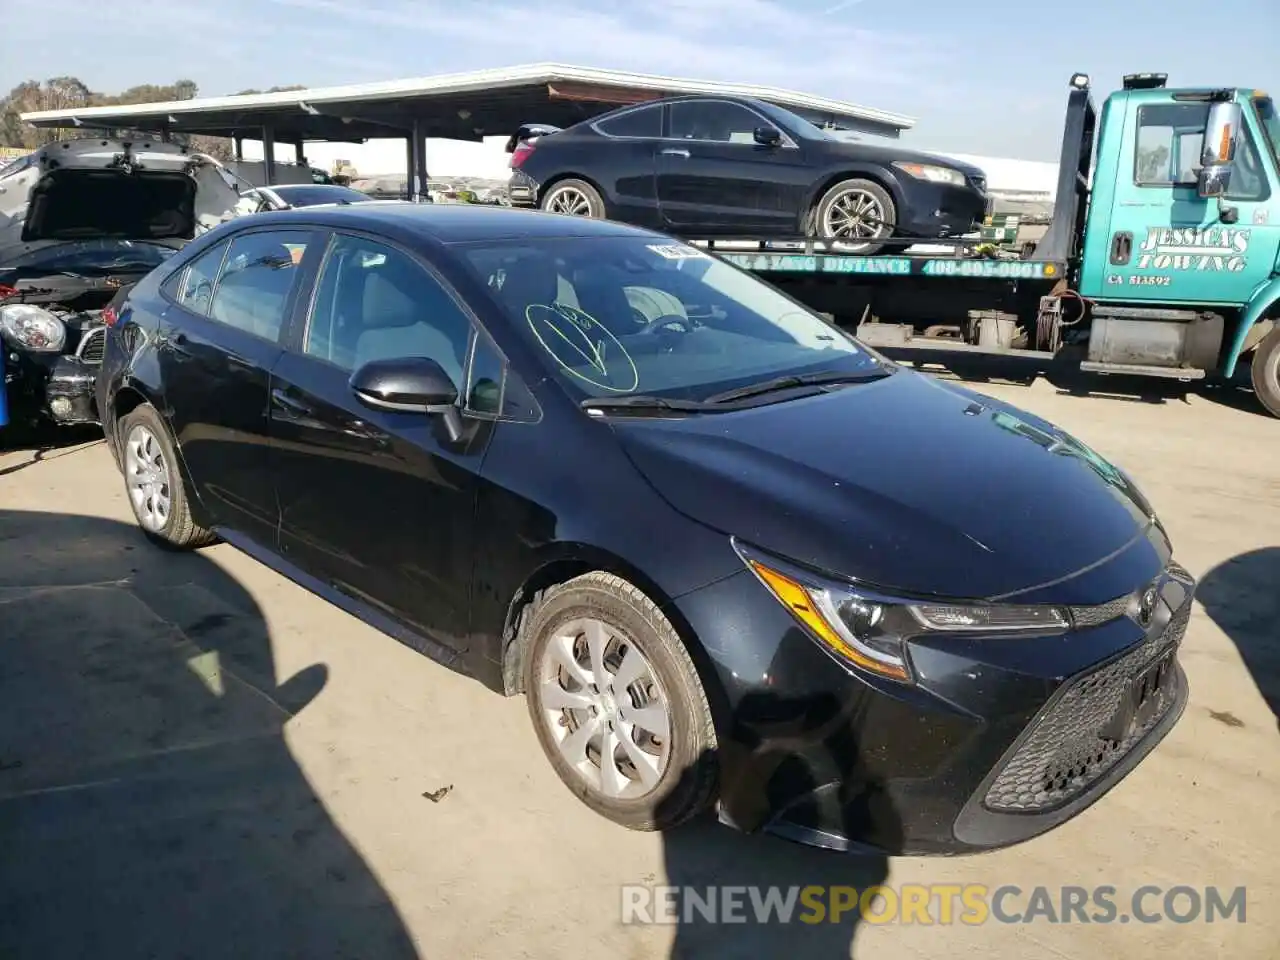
(1073, 742)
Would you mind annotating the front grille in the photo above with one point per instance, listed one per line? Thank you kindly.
(1071, 744)
(92, 344)
(1103, 612)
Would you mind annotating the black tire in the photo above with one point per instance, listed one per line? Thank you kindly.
(178, 531)
(1265, 371)
(688, 783)
(818, 216)
(561, 189)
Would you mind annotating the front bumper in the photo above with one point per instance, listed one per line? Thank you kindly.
(997, 741)
(939, 211)
(54, 388)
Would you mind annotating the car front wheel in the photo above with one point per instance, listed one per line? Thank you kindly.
(617, 703)
(858, 215)
(154, 484)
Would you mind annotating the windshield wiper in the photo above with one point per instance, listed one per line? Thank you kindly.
(793, 381)
(640, 401)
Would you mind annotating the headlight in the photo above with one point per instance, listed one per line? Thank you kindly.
(870, 630)
(32, 328)
(934, 174)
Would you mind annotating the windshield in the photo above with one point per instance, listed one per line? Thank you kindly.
(310, 194)
(1266, 108)
(798, 124)
(645, 316)
(87, 257)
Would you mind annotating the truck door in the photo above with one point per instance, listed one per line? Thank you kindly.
(1167, 244)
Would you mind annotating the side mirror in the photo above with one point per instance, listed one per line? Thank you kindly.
(409, 385)
(767, 136)
(1221, 135)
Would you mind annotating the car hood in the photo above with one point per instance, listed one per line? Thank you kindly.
(905, 483)
(857, 150)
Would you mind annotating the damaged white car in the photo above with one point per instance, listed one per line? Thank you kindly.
(81, 220)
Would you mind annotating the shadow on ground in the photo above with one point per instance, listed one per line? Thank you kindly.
(46, 443)
(149, 805)
(1242, 595)
(712, 862)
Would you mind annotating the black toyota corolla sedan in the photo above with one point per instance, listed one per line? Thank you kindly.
(732, 558)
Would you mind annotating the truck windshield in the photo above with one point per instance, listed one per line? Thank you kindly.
(1267, 116)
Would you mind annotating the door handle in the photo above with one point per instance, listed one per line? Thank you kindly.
(295, 406)
(235, 360)
(1121, 248)
(675, 152)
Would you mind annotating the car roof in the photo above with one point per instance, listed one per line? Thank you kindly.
(455, 223)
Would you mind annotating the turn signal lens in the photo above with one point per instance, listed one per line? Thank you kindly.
(815, 608)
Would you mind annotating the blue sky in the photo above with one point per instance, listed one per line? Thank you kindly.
(986, 77)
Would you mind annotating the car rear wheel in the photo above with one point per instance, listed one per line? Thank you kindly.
(154, 484)
(617, 704)
(1265, 371)
(858, 214)
(574, 198)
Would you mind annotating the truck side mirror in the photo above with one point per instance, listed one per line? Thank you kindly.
(1221, 135)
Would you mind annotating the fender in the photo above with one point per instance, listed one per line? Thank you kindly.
(1266, 297)
(834, 172)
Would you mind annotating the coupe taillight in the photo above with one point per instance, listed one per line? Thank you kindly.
(109, 316)
(520, 154)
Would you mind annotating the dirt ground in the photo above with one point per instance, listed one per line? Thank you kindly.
(197, 758)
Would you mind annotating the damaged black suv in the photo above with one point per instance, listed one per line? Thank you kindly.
(80, 221)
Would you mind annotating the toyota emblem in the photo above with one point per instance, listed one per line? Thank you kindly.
(1147, 606)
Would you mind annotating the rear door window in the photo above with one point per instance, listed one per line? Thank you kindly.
(259, 274)
(644, 122)
(194, 287)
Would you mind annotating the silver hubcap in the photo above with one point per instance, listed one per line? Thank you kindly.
(606, 711)
(570, 201)
(148, 477)
(854, 216)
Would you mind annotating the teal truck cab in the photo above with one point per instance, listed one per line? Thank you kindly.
(1162, 258)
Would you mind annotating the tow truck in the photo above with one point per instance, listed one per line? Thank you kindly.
(1162, 257)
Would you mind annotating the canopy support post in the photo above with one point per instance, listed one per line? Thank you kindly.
(268, 155)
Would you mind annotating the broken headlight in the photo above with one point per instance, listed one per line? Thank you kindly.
(32, 328)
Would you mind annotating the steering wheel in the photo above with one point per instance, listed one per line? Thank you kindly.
(667, 323)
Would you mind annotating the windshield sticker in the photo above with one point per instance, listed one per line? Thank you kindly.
(583, 347)
(677, 251)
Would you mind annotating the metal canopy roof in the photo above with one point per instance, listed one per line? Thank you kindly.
(460, 106)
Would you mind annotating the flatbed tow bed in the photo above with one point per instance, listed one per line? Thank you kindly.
(1159, 264)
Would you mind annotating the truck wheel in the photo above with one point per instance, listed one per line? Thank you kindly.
(858, 213)
(154, 484)
(617, 704)
(1265, 370)
(574, 198)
